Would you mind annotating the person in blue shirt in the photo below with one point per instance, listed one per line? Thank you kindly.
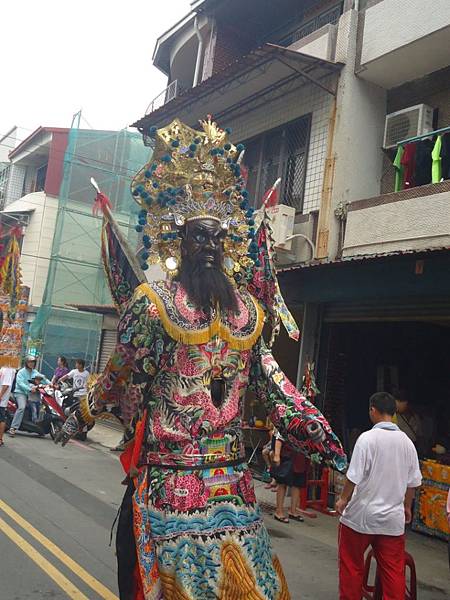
(22, 389)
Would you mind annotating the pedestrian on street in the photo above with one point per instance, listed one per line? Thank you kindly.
(289, 470)
(34, 398)
(23, 388)
(62, 368)
(6, 380)
(80, 376)
(376, 502)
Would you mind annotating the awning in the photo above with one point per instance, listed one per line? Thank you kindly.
(245, 85)
(102, 309)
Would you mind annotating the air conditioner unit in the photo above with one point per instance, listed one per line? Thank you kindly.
(407, 123)
(282, 220)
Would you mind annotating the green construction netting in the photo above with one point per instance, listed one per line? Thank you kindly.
(75, 273)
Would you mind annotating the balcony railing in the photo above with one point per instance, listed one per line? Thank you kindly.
(170, 93)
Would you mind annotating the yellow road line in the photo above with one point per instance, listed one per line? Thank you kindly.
(66, 585)
(86, 577)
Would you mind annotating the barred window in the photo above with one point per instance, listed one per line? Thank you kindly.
(280, 152)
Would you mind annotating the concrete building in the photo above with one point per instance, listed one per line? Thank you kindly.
(47, 190)
(311, 88)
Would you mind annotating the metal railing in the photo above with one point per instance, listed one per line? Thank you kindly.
(169, 93)
(330, 16)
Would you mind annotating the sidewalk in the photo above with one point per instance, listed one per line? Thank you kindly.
(320, 535)
(106, 434)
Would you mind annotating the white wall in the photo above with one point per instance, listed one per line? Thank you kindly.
(412, 224)
(37, 241)
(394, 23)
(319, 44)
(361, 110)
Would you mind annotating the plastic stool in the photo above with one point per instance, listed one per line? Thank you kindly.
(374, 592)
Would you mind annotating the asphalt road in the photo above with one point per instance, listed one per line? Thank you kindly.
(56, 511)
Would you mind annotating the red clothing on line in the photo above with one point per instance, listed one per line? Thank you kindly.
(389, 552)
(408, 161)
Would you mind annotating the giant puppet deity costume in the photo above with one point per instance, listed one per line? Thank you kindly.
(188, 349)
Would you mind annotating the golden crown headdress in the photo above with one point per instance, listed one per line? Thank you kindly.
(192, 175)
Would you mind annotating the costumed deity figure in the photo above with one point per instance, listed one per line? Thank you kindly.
(188, 349)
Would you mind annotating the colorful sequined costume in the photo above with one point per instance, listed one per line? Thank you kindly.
(190, 526)
(198, 529)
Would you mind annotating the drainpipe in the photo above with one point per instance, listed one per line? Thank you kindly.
(199, 52)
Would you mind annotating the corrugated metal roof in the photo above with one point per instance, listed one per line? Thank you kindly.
(360, 258)
(313, 68)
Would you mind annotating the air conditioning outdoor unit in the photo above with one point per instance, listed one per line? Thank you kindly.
(407, 123)
(282, 220)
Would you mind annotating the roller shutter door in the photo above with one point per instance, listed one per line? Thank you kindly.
(414, 309)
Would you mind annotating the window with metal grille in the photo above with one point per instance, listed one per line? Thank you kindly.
(280, 152)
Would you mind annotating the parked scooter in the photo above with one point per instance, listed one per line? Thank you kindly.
(50, 419)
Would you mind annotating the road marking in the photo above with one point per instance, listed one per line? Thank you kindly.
(86, 577)
(66, 585)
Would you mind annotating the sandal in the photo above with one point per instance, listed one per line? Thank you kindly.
(2, 443)
(281, 519)
(297, 518)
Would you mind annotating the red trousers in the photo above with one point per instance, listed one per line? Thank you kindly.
(389, 552)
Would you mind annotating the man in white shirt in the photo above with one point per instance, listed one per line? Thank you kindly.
(376, 502)
(6, 380)
(80, 377)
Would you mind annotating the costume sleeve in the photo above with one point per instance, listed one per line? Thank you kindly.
(299, 422)
(120, 387)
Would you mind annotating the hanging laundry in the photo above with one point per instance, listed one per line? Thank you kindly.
(445, 156)
(423, 162)
(409, 163)
(398, 169)
(436, 168)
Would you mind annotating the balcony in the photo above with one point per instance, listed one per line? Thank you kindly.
(403, 40)
(169, 93)
(411, 220)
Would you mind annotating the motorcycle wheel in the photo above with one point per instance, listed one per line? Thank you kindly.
(55, 428)
(81, 436)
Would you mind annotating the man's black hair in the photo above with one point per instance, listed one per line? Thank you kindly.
(383, 402)
(80, 361)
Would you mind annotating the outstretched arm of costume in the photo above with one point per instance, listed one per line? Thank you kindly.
(299, 422)
(119, 388)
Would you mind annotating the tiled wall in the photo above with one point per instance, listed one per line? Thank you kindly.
(289, 106)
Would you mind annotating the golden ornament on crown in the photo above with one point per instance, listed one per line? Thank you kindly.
(193, 175)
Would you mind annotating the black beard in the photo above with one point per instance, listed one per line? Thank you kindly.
(208, 287)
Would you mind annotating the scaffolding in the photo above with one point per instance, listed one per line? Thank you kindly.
(75, 273)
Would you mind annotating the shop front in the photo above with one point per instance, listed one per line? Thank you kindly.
(385, 326)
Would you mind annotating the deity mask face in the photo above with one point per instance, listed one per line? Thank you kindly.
(202, 243)
(201, 272)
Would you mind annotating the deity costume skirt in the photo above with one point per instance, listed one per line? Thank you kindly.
(195, 535)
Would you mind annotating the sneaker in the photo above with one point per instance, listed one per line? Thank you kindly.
(12, 432)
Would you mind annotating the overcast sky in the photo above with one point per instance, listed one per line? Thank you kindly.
(58, 56)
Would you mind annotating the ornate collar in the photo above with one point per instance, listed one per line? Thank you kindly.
(189, 325)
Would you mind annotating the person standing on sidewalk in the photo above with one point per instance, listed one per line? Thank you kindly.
(23, 388)
(6, 380)
(376, 502)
